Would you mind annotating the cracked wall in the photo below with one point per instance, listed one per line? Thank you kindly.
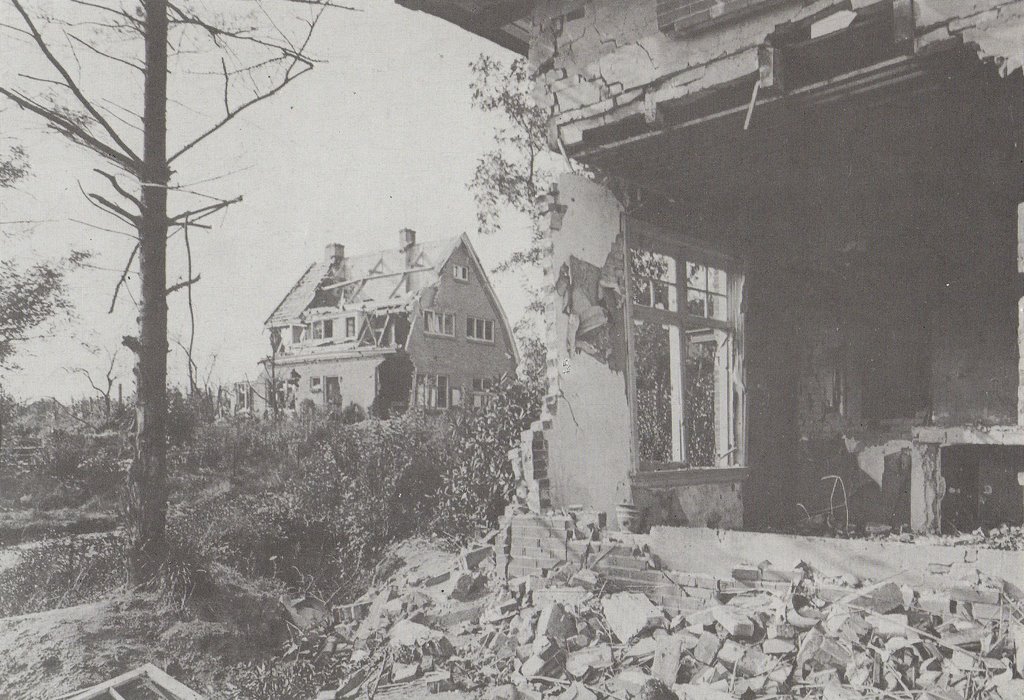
(586, 422)
(599, 62)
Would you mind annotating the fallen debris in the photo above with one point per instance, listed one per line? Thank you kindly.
(768, 632)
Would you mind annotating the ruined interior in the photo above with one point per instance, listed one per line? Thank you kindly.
(877, 234)
(851, 255)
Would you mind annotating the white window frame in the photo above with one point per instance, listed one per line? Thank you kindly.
(478, 329)
(439, 323)
(686, 328)
(315, 385)
(460, 273)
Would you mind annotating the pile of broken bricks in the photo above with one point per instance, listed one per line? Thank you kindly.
(575, 635)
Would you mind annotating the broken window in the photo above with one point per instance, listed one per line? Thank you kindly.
(684, 388)
(322, 329)
(332, 391)
(482, 392)
(432, 390)
(439, 323)
(480, 329)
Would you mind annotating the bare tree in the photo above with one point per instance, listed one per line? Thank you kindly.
(103, 386)
(257, 59)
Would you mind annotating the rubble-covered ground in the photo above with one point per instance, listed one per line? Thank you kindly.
(1004, 537)
(462, 631)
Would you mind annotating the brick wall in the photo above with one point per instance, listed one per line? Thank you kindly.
(529, 544)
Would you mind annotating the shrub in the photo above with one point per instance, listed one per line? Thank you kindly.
(62, 572)
(477, 481)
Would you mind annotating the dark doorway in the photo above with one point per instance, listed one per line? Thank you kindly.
(982, 487)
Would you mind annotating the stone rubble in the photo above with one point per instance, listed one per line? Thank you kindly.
(573, 634)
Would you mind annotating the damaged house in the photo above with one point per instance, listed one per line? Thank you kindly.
(793, 289)
(419, 324)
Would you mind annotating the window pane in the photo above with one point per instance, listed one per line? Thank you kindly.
(700, 402)
(442, 392)
(718, 307)
(717, 281)
(696, 276)
(653, 279)
(695, 303)
(657, 367)
(328, 329)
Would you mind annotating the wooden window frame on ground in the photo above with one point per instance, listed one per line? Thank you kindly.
(684, 329)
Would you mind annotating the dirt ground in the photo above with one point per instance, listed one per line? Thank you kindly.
(48, 654)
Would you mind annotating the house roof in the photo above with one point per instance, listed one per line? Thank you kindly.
(505, 22)
(387, 280)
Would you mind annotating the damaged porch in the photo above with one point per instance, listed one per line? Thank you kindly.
(809, 323)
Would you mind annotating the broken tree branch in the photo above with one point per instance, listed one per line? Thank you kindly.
(72, 85)
(71, 130)
(124, 278)
(187, 283)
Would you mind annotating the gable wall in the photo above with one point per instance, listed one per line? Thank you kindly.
(460, 358)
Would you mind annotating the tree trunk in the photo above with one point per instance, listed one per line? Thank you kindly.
(147, 479)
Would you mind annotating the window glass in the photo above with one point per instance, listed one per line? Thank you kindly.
(654, 279)
(701, 350)
(328, 329)
(350, 327)
(442, 392)
(706, 289)
(685, 402)
(296, 334)
(658, 391)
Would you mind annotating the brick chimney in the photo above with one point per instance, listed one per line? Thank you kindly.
(334, 253)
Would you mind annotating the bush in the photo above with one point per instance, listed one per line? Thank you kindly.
(62, 572)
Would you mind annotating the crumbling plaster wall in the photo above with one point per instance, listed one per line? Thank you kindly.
(587, 426)
(602, 61)
(358, 379)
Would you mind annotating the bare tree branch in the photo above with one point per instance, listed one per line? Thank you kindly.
(126, 150)
(182, 285)
(202, 212)
(71, 130)
(124, 277)
(119, 189)
(112, 57)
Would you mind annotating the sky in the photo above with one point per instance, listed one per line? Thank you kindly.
(380, 136)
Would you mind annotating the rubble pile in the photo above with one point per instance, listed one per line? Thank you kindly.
(1004, 537)
(575, 634)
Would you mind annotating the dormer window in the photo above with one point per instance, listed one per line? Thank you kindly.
(322, 330)
(460, 273)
